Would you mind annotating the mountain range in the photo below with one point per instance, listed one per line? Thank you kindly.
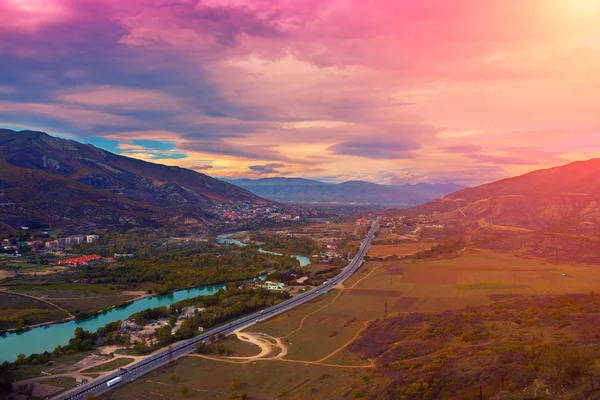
(48, 181)
(355, 192)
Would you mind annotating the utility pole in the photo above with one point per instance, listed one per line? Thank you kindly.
(385, 312)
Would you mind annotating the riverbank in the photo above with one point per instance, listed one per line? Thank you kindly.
(47, 336)
(228, 239)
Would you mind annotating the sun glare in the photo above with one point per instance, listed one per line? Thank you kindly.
(581, 8)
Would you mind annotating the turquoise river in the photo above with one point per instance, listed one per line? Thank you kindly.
(48, 337)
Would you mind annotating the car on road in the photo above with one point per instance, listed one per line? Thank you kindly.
(114, 381)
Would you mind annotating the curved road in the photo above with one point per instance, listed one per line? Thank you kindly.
(184, 347)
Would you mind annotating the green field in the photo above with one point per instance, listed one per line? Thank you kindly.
(109, 366)
(50, 387)
(210, 380)
(52, 289)
(62, 364)
(240, 348)
(412, 319)
(21, 311)
(475, 278)
(26, 267)
(73, 297)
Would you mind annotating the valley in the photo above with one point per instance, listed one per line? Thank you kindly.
(429, 316)
(485, 292)
(299, 200)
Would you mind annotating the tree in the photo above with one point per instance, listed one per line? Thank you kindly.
(184, 391)
(201, 348)
(80, 333)
(5, 384)
(27, 390)
(140, 347)
(163, 335)
(235, 384)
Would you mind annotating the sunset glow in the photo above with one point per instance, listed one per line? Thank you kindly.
(389, 91)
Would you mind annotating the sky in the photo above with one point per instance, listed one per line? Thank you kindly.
(389, 91)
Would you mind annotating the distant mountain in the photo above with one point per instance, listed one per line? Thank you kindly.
(358, 192)
(56, 182)
(565, 199)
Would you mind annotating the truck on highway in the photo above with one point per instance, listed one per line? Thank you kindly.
(114, 381)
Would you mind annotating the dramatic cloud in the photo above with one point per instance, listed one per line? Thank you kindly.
(272, 168)
(388, 90)
(375, 149)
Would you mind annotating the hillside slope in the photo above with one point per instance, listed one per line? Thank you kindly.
(57, 182)
(565, 198)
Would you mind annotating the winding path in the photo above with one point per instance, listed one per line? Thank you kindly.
(267, 347)
(40, 299)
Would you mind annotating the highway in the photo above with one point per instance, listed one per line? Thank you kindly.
(184, 347)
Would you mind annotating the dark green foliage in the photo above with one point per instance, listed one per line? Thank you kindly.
(178, 265)
(226, 305)
(287, 245)
(142, 317)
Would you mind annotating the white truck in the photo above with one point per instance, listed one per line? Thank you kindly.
(114, 381)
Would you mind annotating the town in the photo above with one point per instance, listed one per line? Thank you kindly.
(43, 241)
(241, 212)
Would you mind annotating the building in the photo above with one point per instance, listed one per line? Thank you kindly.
(80, 260)
(91, 238)
(362, 221)
(52, 244)
(75, 240)
(123, 255)
(273, 285)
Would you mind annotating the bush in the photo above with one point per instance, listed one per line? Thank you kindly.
(184, 391)
(235, 384)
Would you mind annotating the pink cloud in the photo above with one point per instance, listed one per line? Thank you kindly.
(116, 97)
(342, 88)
